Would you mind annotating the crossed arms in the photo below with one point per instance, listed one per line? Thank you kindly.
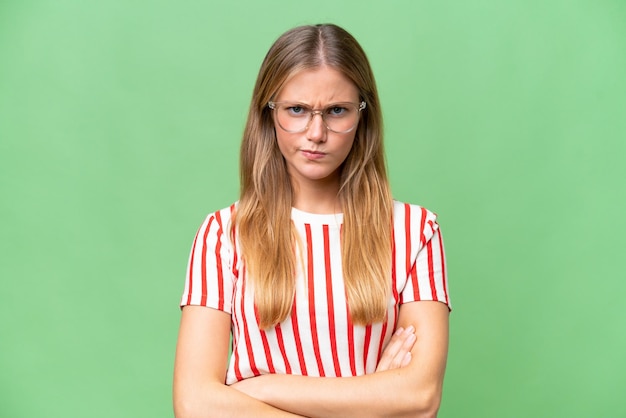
(407, 383)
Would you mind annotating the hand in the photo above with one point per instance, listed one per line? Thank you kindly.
(397, 354)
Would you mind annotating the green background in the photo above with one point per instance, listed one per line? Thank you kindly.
(119, 130)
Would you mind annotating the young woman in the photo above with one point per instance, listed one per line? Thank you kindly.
(335, 295)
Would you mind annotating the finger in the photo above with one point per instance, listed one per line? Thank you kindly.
(403, 356)
(408, 343)
(391, 350)
(406, 360)
(394, 354)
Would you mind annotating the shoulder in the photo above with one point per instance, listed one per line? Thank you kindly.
(221, 217)
(216, 224)
(419, 213)
(414, 219)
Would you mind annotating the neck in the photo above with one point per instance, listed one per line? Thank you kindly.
(320, 197)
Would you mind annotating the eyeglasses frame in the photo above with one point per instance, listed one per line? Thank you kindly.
(362, 105)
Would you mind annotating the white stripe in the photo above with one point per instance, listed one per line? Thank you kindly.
(233, 293)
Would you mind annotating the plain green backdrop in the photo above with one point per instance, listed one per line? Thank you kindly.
(120, 124)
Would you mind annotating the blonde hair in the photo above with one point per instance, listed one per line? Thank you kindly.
(262, 220)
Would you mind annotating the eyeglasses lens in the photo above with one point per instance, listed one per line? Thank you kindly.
(338, 118)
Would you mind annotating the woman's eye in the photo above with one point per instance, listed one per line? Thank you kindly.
(296, 110)
(336, 111)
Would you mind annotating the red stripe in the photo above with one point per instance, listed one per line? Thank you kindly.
(310, 278)
(407, 237)
(235, 271)
(246, 334)
(366, 345)
(190, 274)
(266, 346)
(351, 353)
(268, 353)
(233, 235)
(422, 224)
(351, 345)
(415, 281)
(238, 375)
(382, 338)
(281, 346)
(394, 278)
(203, 270)
(393, 264)
(431, 270)
(236, 328)
(330, 302)
(408, 243)
(296, 335)
(235, 349)
(444, 278)
(394, 286)
(218, 259)
(416, 291)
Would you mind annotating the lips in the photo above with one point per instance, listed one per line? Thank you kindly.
(312, 155)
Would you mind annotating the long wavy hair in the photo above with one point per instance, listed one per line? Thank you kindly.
(262, 220)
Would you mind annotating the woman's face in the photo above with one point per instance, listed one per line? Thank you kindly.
(315, 155)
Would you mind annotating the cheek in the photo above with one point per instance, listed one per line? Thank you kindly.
(284, 142)
(348, 143)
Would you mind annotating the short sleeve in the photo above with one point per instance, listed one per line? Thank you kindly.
(427, 276)
(209, 280)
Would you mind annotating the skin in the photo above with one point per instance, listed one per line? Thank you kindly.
(409, 378)
(314, 157)
(202, 359)
(200, 370)
(412, 390)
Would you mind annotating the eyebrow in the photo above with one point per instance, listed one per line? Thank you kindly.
(308, 105)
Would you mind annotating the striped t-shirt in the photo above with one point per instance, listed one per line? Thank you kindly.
(318, 338)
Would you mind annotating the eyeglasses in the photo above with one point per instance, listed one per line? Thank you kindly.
(340, 118)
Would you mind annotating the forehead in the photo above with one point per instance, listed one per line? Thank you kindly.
(318, 86)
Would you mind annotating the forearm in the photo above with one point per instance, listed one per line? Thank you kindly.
(219, 400)
(384, 394)
(413, 390)
(200, 370)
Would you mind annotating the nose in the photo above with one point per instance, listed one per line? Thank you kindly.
(317, 129)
